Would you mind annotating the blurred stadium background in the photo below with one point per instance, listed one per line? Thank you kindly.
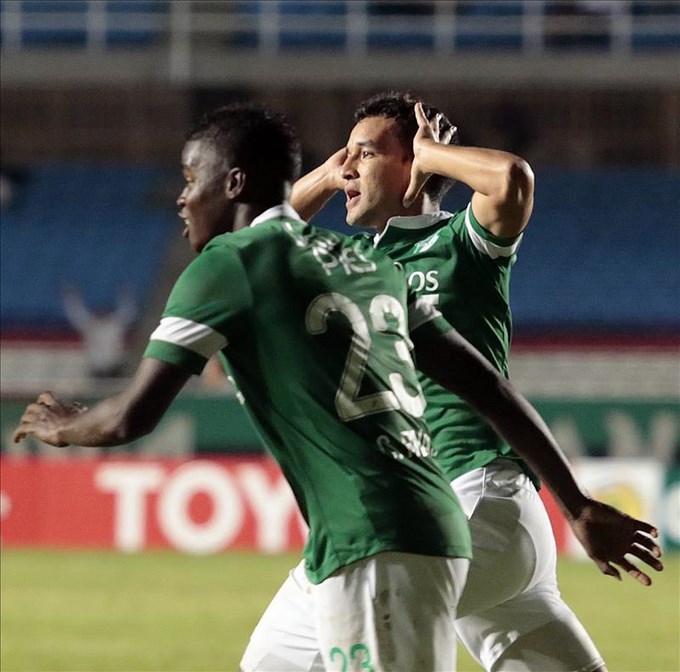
(96, 97)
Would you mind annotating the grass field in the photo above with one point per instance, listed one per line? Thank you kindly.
(97, 611)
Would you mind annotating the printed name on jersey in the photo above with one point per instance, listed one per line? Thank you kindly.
(428, 281)
(329, 252)
(421, 280)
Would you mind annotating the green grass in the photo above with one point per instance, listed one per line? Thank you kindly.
(100, 611)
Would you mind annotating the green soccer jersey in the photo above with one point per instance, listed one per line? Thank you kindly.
(313, 328)
(451, 261)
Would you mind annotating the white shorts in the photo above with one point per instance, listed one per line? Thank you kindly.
(510, 615)
(511, 589)
(391, 612)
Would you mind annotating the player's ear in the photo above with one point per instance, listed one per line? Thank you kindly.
(234, 183)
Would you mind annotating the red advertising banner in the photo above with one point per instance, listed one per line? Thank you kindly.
(209, 506)
(193, 506)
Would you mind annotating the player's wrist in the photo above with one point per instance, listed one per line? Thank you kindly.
(426, 154)
(58, 437)
(576, 505)
(332, 180)
(321, 181)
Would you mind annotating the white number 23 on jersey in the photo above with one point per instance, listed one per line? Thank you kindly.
(348, 403)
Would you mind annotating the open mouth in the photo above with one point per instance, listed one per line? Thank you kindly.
(352, 197)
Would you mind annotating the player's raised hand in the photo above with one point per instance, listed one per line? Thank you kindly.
(332, 168)
(311, 192)
(427, 130)
(44, 418)
(609, 535)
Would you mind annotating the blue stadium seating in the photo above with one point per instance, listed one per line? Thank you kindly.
(600, 253)
(88, 226)
(69, 27)
(294, 11)
(495, 25)
(72, 35)
(508, 34)
(141, 35)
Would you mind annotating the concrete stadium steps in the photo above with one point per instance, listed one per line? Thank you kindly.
(564, 373)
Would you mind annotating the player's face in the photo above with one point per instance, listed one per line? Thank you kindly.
(203, 204)
(377, 172)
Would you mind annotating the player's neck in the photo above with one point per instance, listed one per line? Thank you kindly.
(247, 212)
(422, 206)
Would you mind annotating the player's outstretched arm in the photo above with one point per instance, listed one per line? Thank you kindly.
(118, 419)
(608, 535)
(313, 190)
(503, 183)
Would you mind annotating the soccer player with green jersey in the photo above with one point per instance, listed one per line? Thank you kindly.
(395, 169)
(314, 328)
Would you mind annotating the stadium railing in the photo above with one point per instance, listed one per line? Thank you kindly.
(352, 26)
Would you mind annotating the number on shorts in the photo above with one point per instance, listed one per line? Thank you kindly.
(354, 652)
(336, 651)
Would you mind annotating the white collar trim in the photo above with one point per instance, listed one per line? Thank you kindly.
(283, 210)
(413, 222)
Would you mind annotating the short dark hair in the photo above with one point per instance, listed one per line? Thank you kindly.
(252, 137)
(400, 106)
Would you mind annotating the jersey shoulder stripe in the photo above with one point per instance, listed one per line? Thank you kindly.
(176, 355)
(487, 243)
(199, 338)
(184, 343)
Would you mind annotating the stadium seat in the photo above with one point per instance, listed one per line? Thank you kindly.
(600, 252)
(83, 225)
(295, 14)
(141, 35)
